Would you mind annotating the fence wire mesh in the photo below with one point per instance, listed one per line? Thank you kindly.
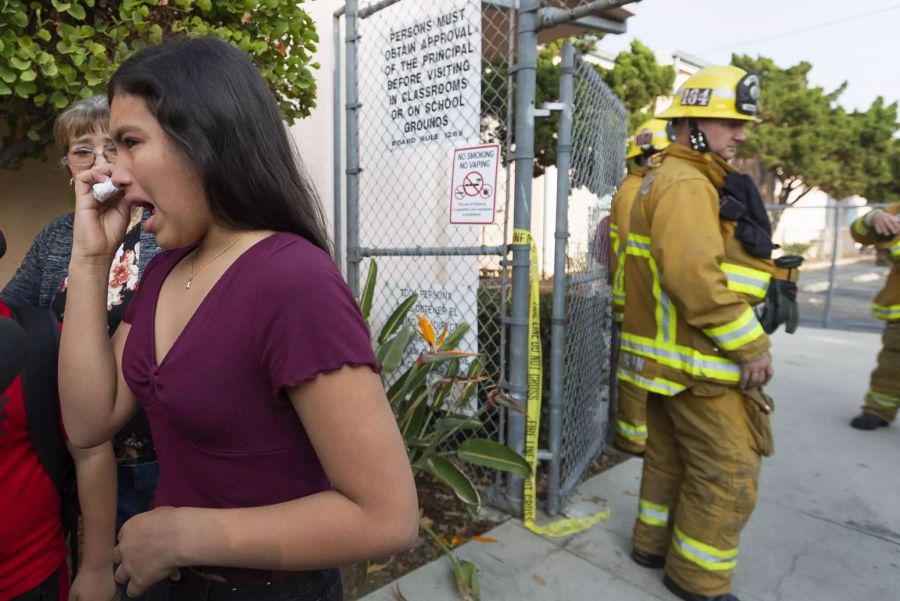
(839, 277)
(433, 76)
(599, 130)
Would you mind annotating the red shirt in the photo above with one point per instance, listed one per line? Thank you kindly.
(32, 546)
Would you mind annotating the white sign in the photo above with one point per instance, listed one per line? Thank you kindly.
(473, 192)
(432, 74)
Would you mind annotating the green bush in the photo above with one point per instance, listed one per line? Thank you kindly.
(52, 53)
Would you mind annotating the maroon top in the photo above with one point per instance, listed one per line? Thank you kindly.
(225, 431)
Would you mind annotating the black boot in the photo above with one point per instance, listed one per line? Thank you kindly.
(867, 421)
(683, 594)
(648, 560)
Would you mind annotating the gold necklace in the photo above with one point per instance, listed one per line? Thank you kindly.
(202, 267)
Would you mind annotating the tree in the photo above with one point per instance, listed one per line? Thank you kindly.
(636, 79)
(887, 191)
(52, 53)
(808, 141)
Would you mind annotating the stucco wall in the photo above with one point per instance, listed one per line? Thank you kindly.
(29, 199)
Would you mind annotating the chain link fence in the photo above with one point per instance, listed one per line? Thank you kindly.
(839, 278)
(431, 78)
(431, 86)
(591, 162)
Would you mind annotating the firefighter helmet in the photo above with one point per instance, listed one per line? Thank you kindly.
(651, 137)
(724, 92)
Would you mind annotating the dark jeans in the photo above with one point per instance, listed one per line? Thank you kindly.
(321, 585)
(137, 485)
(48, 590)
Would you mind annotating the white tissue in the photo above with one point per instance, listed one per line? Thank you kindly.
(104, 190)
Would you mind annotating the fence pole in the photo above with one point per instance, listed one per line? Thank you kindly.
(835, 252)
(517, 385)
(558, 317)
(353, 257)
(336, 136)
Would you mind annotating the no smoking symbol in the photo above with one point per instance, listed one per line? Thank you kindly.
(472, 184)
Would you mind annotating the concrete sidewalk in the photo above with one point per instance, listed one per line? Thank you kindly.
(826, 526)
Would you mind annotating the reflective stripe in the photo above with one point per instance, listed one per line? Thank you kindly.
(657, 385)
(653, 514)
(666, 316)
(669, 317)
(705, 556)
(630, 431)
(885, 400)
(618, 284)
(895, 250)
(683, 358)
(664, 349)
(860, 227)
(886, 312)
(743, 330)
(637, 247)
(746, 280)
(640, 239)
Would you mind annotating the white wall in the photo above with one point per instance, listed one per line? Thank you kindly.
(313, 135)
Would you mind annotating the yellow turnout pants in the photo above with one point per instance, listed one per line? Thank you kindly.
(883, 397)
(701, 471)
(630, 429)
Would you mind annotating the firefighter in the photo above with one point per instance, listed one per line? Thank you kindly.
(881, 228)
(692, 340)
(653, 136)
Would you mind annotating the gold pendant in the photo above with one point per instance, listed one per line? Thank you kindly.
(188, 285)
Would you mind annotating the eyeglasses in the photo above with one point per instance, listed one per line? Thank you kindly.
(85, 156)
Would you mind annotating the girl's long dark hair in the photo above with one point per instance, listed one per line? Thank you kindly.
(211, 100)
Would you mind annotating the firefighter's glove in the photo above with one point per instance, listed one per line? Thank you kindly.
(780, 307)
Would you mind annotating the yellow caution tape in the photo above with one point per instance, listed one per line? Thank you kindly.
(564, 526)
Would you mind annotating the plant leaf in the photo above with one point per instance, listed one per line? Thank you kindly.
(390, 354)
(466, 575)
(397, 317)
(393, 393)
(426, 330)
(455, 478)
(458, 422)
(446, 356)
(454, 338)
(490, 453)
(368, 291)
(413, 382)
(412, 426)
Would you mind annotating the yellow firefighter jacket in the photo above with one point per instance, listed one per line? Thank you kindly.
(619, 214)
(688, 281)
(886, 305)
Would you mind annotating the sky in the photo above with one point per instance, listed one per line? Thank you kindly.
(857, 42)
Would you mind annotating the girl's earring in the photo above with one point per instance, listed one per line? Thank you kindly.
(72, 181)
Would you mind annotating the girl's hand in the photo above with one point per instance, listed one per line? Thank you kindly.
(145, 550)
(99, 227)
(93, 584)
